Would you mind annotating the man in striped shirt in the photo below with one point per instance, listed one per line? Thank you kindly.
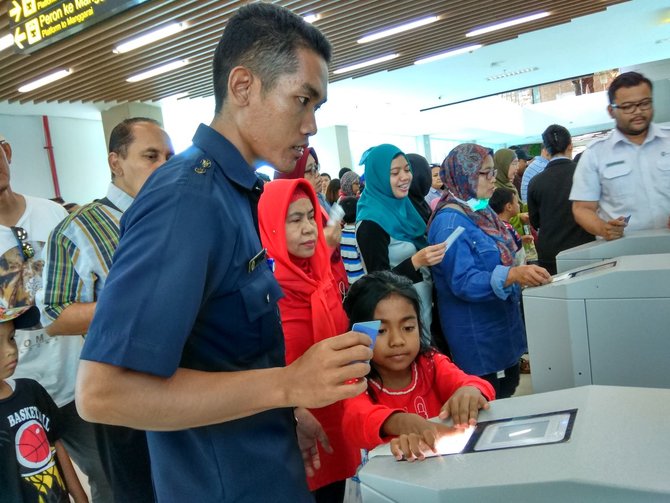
(77, 259)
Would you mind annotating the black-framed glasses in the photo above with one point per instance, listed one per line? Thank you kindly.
(490, 174)
(314, 168)
(26, 248)
(629, 108)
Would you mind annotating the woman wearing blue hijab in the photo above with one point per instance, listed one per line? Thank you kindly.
(390, 233)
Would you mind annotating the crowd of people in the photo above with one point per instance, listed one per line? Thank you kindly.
(189, 336)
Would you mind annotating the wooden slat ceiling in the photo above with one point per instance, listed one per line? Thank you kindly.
(100, 75)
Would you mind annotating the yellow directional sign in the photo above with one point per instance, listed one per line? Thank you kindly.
(15, 11)
(39, 23)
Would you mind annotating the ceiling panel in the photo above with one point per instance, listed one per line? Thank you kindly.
(100, 75)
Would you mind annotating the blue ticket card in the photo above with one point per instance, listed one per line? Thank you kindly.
(370, 328)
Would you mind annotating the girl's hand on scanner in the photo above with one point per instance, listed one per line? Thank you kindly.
(463, 406)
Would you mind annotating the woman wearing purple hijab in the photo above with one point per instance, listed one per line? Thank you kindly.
(478, 288)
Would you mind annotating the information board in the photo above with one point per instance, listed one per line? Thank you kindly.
(35, 24)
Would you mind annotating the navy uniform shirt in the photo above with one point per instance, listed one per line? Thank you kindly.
(181, 293)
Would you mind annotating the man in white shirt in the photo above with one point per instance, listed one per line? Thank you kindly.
(25, 224)
(77, 259)
(623, 180)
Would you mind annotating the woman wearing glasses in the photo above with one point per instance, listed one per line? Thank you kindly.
(311, 310)
(307, 167)
(478, 289)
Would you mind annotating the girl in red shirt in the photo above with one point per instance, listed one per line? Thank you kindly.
(408, 383)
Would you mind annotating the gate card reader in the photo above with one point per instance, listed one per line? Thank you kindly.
(617, 452)
(605, 323)
(645, 242)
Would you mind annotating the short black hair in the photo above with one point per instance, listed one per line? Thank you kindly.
(627, 79)
(501, 196)
(264, 38)
(326, 174)
(122, 135)
(556, 139)
(349, 205)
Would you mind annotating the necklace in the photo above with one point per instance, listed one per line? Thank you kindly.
(415, 379)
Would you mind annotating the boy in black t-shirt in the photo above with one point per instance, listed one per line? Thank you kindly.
(34, 466)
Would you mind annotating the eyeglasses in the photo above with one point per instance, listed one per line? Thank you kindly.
(314, 168)
(629, 108)
(490, 174)
(27, 249)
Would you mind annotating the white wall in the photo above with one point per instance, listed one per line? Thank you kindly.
(79, 150)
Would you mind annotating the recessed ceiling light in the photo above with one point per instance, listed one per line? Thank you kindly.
(48, 79)
(448, 54)
(158, 70)
(506, 24)
(310, 18)
(398, 29)
(363, 64)
(150, 37)
(6, 41)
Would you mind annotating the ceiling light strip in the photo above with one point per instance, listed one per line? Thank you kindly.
(6, 42)
(506, 24)
(311, 18)
(364, 64)
(149, 38)
(158, 70)
(398, 29)
(48, 79)
(448, 54)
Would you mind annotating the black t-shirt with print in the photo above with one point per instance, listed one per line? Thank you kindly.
(29, 427)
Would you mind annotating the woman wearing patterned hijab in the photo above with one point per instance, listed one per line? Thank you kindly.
(390, 233)
(350, 185)
(478, 289)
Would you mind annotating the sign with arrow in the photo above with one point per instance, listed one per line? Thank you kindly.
(39, 23)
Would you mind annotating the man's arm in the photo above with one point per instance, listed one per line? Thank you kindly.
(73, 320)
(191, 398)
(586, 215)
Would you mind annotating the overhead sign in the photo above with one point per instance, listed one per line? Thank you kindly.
(36, 24)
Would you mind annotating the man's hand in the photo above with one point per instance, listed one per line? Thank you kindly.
(329, 371)
(463, 406)
(613, 229)
(310, 434)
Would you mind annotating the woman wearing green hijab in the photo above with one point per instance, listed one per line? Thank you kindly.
(506, 164)
(390, 233)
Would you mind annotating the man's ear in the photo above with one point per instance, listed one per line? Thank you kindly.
(610, 111)
(114, 162)
(509, 207)
(240, 82)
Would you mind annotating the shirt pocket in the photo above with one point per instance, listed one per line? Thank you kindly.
(663, 170)
(486, 251)
(617, 180)
(260, 294)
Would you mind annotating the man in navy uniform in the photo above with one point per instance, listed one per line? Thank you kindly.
(186, 340)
